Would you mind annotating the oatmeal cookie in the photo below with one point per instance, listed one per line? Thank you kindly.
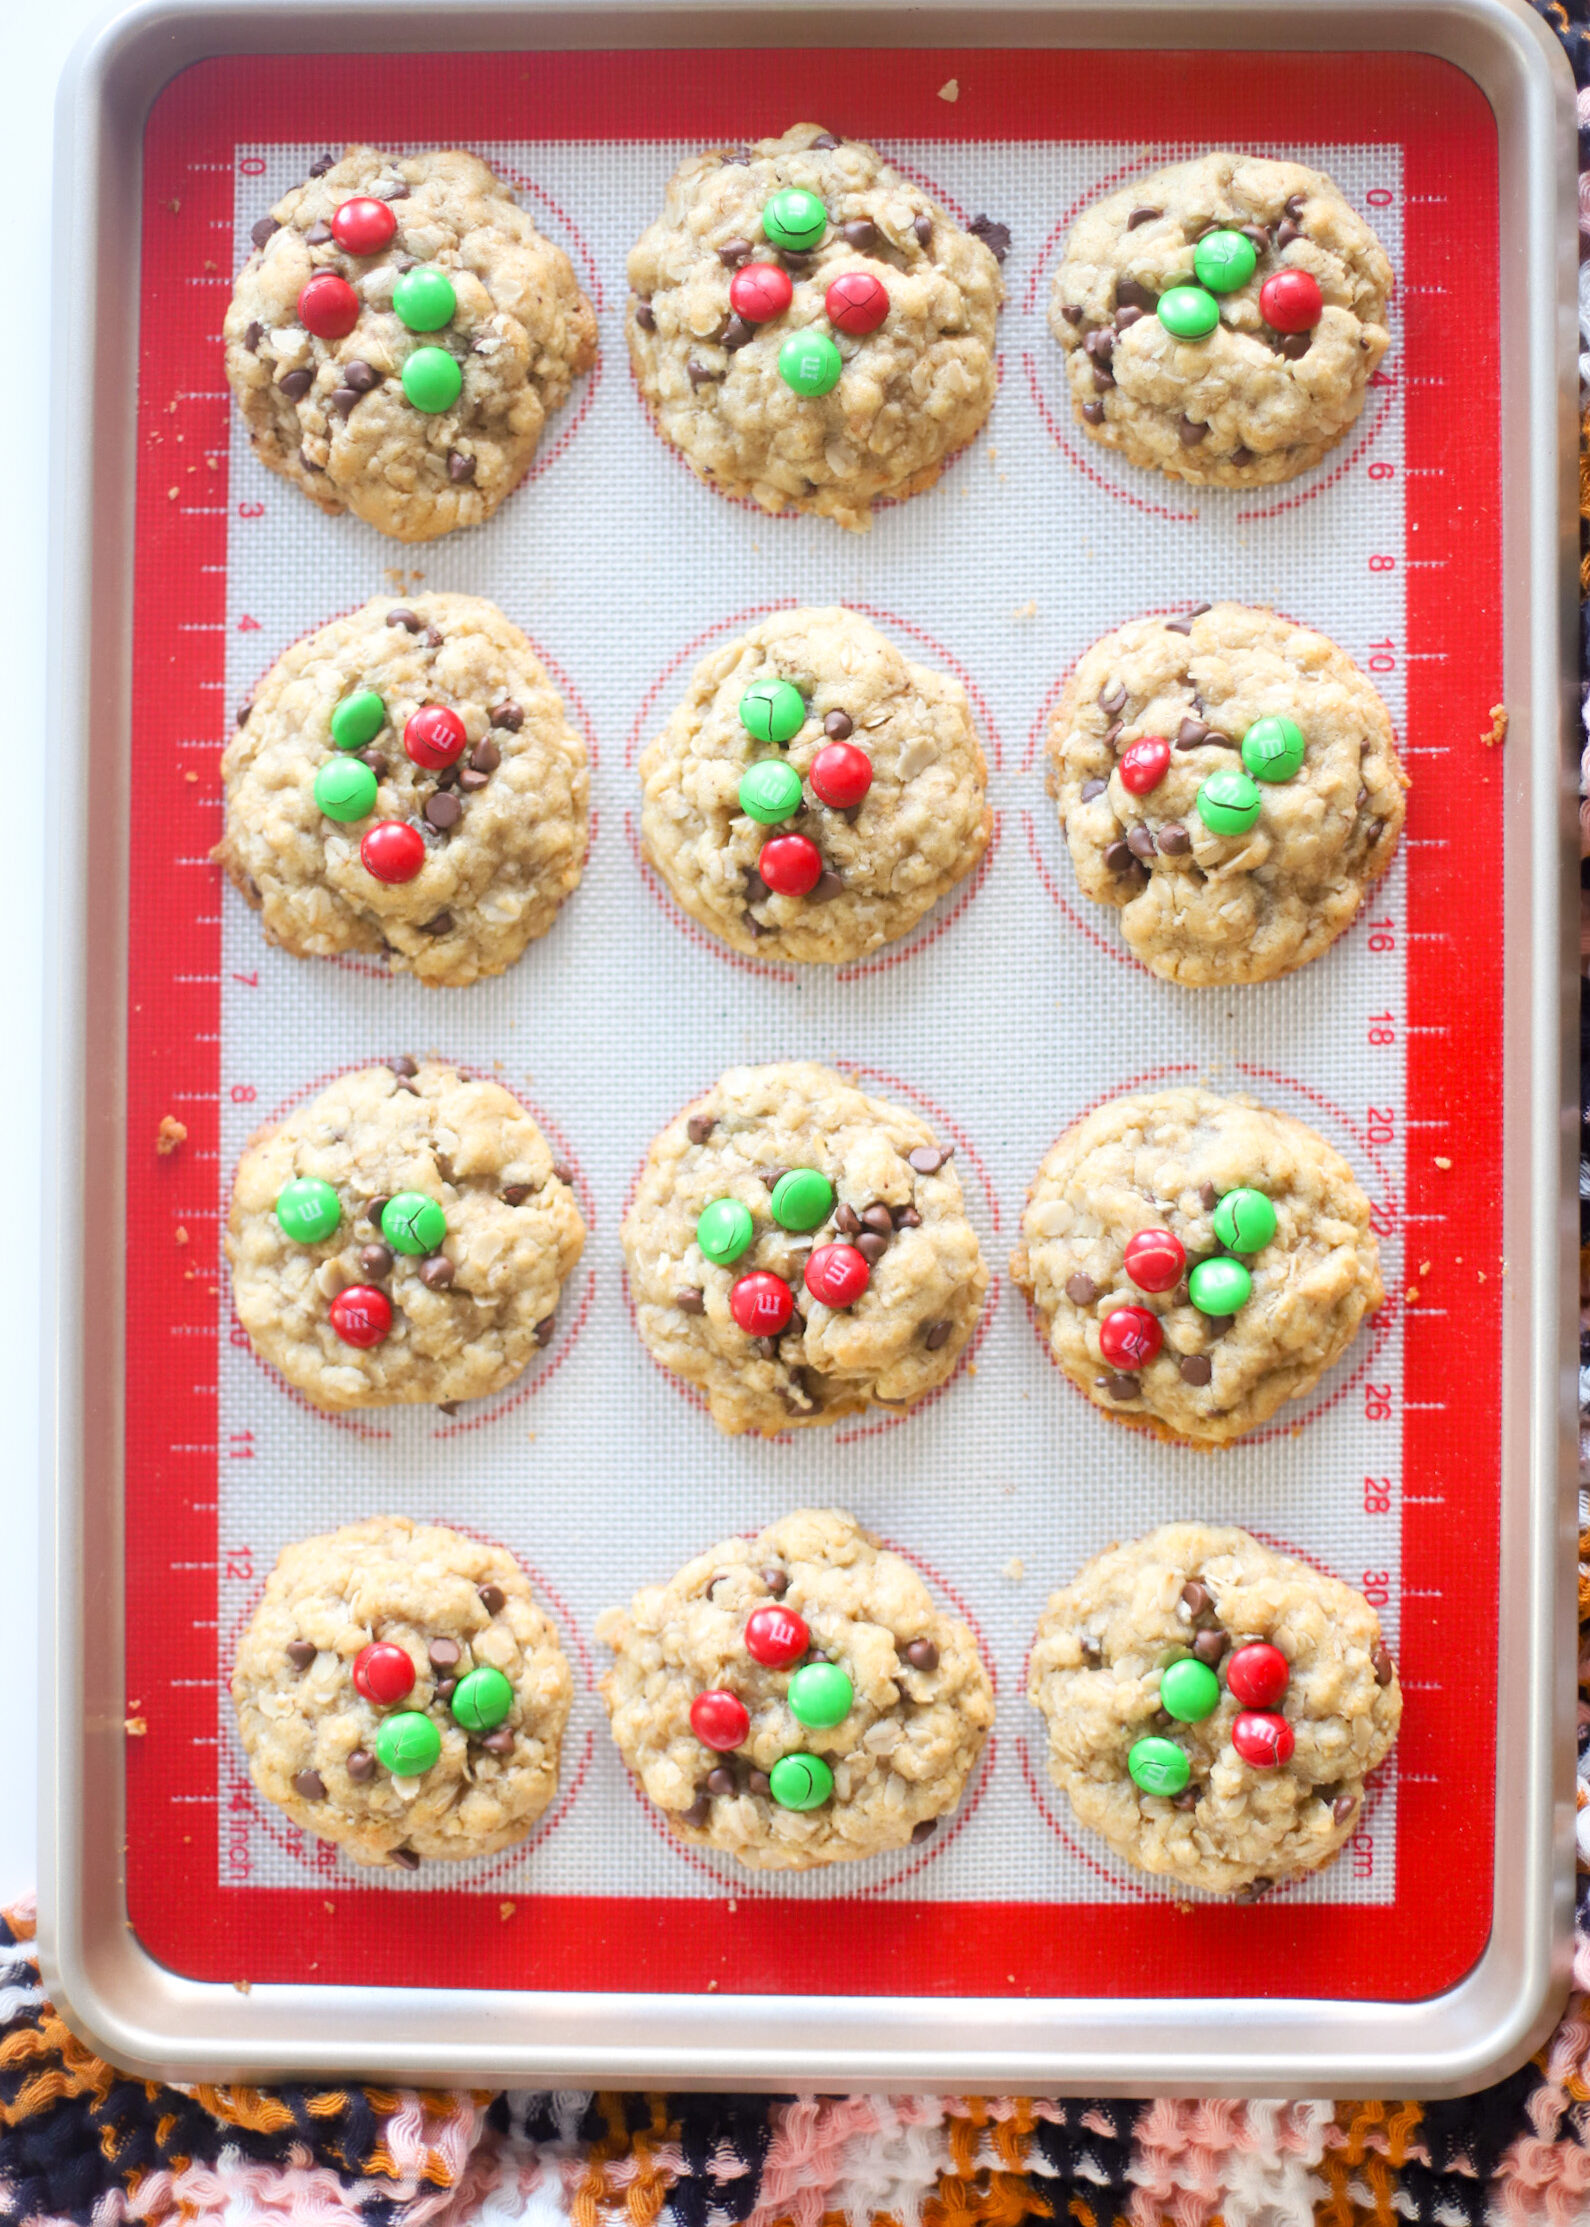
(1230, 783)
(398, 1691)
(797, 1699)
(403, 1237)
(435, 717)
(1214, 1707)
(799, 1250)
(1222, 319)
(1196, 1260)
(873, 797)
(775, 387)
(399, 338)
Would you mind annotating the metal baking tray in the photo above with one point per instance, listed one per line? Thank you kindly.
(1508, 1427)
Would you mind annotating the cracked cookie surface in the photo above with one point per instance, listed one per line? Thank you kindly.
(331, 414)
(467, 1317)
(1101, 1652)
(895, 1196)
(505, 826)
(1202, 907)
(1165, 1160)
(912, 391)
(922, 826)
(922, 1702)
(452, 1605)
(1246, 405)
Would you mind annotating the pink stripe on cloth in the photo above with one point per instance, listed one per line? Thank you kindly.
(1540, 2182)
(1178, 2160)
(805, 2156)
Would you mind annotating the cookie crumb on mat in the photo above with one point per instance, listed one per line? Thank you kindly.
(950, 90)
(136, 1726)
(1497, 732)
(1441, 1161)
(505, 1910)
(170, 1134)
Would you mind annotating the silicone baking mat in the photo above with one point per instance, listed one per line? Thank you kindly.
(1003, 1017)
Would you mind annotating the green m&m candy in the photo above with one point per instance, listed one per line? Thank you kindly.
(1224, 261)
(802, 1197)
(1219, 1287)
(412, 1223)
(724, 1229)
(424, 299)
(432, 380)
(345, 789)
(481, 1699)
(1245, 1221)
(407, 1743)
(308, 1209)
(820, 1696)
(1189, 1691)
(773, 710)
(809, 362)
(1189, 312)
(770, 791)
(1228, 803)
(1272, 749)
(1158, 1766)
(800, 1782)
(357, 720)
(794, 218)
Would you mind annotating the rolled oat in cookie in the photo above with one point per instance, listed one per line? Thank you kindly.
(1196, 1260)
(816, 791)
(399, 338)
(797, 1699)
(1222, 319)
(1214, 1707)
(1229, 782)
(435, 718)
(399, 1691)
(799, 1250)
(809, 329)
(403, 1237)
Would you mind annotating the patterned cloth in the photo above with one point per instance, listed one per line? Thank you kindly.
(81, 2142)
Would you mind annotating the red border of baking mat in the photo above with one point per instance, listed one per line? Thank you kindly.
(1437, 1927)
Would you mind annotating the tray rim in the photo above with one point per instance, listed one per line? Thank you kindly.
(153, 2022)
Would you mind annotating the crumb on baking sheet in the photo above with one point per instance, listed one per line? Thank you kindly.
(135, 1726)
(950, 90)
(170, 1134)
(1497, 731)
(1441, 1161)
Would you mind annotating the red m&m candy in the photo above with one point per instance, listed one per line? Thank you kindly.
(856, 302)
(361, 1315)
(1129, 1337)
(841, 775)
(328, 306)
(383, 1673)
(392, 851)
(758, 292)
(837, 1275)
(1155, 1259)
(435, 736)
(1258, 1674)
(791, 864)
(761, 1303)
(776, 1636)
(719, 1720)
(1263, 1739)
(1145, 764)
(1290, 301)
(363, 225)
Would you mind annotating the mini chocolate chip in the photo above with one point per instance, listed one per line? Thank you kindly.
(1092, 1652)
(699, 1127)
(375, 1260)
(1190, 433)
(1259, 234)
(923, 1829)
(446, 1687)
(758, 1782)
(401, 615)
(499, 1742)
(1103, 379)
(1126, 318)
(447, 1407)
(507, 714)
(545, 1329)
(1210, 1646)
(1209, 1196)
(749, 920)
(1174, 839)
(1195, 1598)
(405, 1859)
(734, 252)
(1286, 232)
(1140, 842)
(443, 811)
(361, 1766)
(907, 1217)
(1342, 1808)
(824, 140)
(1081, 1290)
(1093, 412)
(318, 169)
(374, 1209)
(308, 462)
(1377, 828)
(301, 1653)
(722, 1781)
(1113, 700)
(921, 1654)
(847, 1220)
(343, 400)
(375, 760)
(318, 235)
(1294, 206)
(1196, 1368)
(1117, 857)
(1294, 345)
(771, 1175)
(691, 1301)
(515, 1194)
(1192, 734)
(1361, 800)
(827, 886)
(437, 1272)
(927, 1159)
(262, 230)
(1252, 1891)
(253, 335)
(1131, 293)
(923, 228)
(492, 1598)
(296, 384)
(1091, 789)
(938, 1334)
(1113, 733)
(309, 1786)
(995, 237)
(776, 1581)
(358, 375)
(439, 924)
(736, 333)
(471, 782)
(444, 1654)
(871, 1247)
(1382, 1665)
(859, 234)
(877, 1216)
(1142, 216)
(1100, 344)
(1220, 1326)
(459, 467)
(699, 374)
(1122, 1387)
(1072, 312)
(1241, 456)
(645, 317)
